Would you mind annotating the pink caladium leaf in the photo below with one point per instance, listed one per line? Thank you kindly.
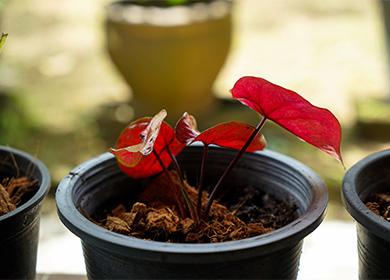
(316, 126)
(138, 140)
(231, 135)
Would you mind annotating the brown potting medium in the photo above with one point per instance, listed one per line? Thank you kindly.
(379, 203)
(157, 215)
(13, 191)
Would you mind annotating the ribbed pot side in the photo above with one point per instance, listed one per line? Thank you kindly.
(372, 174)
(273, 255)
(19, 228)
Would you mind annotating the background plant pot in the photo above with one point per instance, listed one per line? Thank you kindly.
(386, 17)
(19, 228)
(98, 182)
(369, 175)
(170, 56)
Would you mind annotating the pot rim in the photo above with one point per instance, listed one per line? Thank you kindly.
(43, 186)
(186, 5)
(115, 13)
(355, 205)
(285, 236)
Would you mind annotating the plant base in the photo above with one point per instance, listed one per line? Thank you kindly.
(156, 215)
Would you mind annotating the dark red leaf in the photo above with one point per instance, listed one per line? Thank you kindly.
(316, 126)
(139, 139)
(231, 135)
(134, 146)
(186, 129)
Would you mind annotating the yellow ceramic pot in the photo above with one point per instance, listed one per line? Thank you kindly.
(170, 56)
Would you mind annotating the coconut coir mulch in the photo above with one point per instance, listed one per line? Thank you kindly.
(160, 215)
(379, 203)
(13, 191)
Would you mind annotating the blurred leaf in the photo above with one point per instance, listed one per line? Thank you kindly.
(176, 2)
(3, 38)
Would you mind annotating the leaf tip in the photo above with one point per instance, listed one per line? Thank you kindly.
(163, 112)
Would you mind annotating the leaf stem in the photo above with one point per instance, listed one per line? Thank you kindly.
(181, 208)
(175, 163)
(201, 179)
(232, 164)
(160, 161)
(184, 192)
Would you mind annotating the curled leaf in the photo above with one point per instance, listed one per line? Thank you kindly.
(149, 135)
(136, 143)
(314, 125)
(139, 139)
(129, 145)
(186, 129)
(231, 135)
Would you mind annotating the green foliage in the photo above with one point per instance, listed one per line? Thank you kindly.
(15, 125)
(3, 39)
(176, 2)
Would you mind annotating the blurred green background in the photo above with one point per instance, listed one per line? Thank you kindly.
(62, 100)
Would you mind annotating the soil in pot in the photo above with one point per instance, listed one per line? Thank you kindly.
(159, 214)
(379, 203)
(14, 191)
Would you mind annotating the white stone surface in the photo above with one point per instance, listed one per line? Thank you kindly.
(59, 250)
(330, 252)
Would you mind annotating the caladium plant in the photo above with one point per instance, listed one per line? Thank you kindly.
(148, 146)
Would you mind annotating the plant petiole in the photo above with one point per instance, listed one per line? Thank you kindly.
(227, 171)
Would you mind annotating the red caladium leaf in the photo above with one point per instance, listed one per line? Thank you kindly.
(139, 140)
(231, 135)
(186, 129)
(136, 143)
(314, 125)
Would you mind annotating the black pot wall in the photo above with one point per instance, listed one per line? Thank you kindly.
(258, 267)
(275, 255)
(19, 228)
(369, 175)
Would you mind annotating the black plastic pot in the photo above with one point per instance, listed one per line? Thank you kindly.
(19, 228)
(369, 175)
(274, 255)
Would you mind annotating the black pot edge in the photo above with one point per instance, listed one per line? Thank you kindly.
(43, 187)
(355, 206)
(290, 234)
